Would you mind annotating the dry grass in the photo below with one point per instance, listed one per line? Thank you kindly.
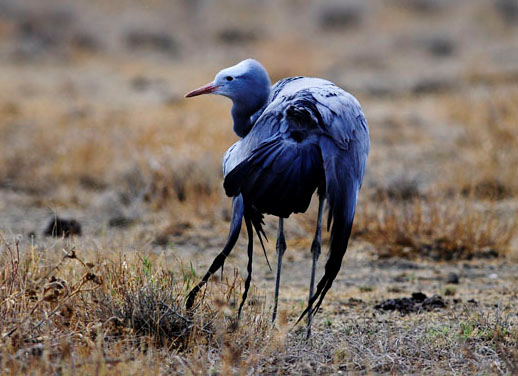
(436, 228)
(465, 341)
(64, 149)
(486, 167)
(123, 313)
(118, 313)
(470, 209)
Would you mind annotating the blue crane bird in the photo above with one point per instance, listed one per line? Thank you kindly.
(298, 136)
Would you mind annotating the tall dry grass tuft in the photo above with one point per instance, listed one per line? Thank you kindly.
(432, 228)
(119, 313)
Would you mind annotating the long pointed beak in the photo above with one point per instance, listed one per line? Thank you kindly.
(206, 89)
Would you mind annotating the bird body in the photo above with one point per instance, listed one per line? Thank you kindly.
(300, 136)
(263, 126)
(300, 116)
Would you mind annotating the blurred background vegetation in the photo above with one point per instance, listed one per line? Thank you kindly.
(93, 118)
(93, 121)
(94, 128)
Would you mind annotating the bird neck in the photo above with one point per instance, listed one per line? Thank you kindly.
(243, 112)
(242, 121)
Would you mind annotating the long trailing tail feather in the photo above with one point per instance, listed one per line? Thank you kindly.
(342, 186)
(250, 251)
(331, 270)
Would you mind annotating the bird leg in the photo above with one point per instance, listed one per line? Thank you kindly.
(235, 228)
(315, 251)
(281, 248)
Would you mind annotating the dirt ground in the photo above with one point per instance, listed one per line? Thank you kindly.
(94, 127)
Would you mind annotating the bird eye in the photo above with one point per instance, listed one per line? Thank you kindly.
(229, 78)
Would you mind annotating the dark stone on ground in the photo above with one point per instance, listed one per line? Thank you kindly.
(440, 47)
(453, 278)
(59, 227)
(417, 303)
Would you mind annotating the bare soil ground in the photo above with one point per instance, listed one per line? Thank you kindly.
(93, 127)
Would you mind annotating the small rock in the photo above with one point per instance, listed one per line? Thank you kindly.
(453, 278)
(440, 47)
(59, 227)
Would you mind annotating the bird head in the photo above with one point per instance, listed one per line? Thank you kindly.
(244, 83)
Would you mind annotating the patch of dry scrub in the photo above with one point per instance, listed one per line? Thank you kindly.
(485, 166)
(123, 313)
(467, 341)
(435, 228)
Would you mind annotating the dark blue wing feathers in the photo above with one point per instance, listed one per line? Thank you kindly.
(278, 178)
